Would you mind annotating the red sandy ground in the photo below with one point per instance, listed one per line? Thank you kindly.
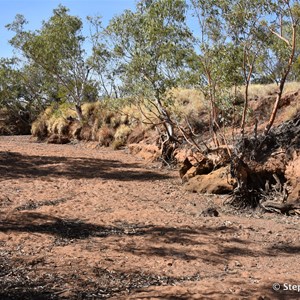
(78, 222)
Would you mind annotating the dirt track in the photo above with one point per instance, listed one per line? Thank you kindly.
(84, 223)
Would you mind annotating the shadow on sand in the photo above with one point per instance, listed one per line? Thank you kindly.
(15, 165)
(19, 281)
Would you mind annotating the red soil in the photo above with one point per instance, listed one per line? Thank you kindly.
(85, 223)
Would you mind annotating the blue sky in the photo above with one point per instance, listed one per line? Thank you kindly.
(35, 11)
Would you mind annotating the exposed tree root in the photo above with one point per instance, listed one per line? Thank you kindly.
(258, 165)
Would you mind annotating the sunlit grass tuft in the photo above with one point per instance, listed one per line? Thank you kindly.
(264, 90)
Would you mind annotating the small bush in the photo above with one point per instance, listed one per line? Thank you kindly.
(290, 112)
(144, 113)
(92, 111)
(131, 115)
(95, 127)
(39, 129)
(52, 121)
(122, 133)
(117, 144)
(263, 90)
(115, 121)
(107, 118)
(105, 136)
(57, 125)
(86, 133)
(136, 135)
(185, 102)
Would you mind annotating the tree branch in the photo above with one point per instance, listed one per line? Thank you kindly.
(280, 37)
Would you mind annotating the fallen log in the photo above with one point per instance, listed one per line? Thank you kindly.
(283, 208)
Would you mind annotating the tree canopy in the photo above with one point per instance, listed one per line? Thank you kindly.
(143, 53)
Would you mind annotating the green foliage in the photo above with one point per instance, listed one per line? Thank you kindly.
(151, 45)
(57, 43)
(20, 89)
(144, 53)
(57, 50)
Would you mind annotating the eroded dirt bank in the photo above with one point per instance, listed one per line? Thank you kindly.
(84, 223)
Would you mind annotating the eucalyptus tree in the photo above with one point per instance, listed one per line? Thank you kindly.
(242, 25)
(219, 58)
(58, 49)
(20, 101)
(10, 87)
(267, 31)
(25, 91)
(103, 65)
(282, 24)
(264, 31)
(151, 46)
